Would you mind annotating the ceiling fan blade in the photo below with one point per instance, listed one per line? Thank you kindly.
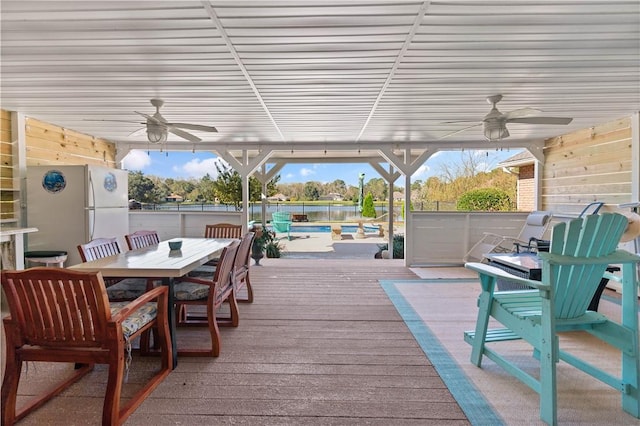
(184, 135)
(138, 132)
(541, 120)
(117, 121)
(460, 131)
(193, 127)
(458, 121)
(151, 118)
(522, 112)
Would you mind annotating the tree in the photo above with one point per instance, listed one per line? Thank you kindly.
(312, 191)
(338, 186)
(143, 189)
(206, 189)
(228, 186)
(368, 210)
(378, 188)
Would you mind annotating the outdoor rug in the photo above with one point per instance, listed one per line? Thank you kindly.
(438, 311)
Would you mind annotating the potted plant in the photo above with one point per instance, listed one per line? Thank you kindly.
(265, 242)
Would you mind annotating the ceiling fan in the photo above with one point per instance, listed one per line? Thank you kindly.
(495, 123)
(158, 128)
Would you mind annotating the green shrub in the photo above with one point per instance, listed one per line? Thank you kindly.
(484, 199)
(368, 210)
(398, 247)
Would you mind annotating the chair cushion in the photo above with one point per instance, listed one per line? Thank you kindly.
(137, 319)
(45, 253)
(128, 288)
(203, 271)
(190, 291)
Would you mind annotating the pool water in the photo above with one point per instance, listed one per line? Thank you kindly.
(327, 228)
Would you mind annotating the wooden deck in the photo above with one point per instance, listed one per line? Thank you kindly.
(321, 344)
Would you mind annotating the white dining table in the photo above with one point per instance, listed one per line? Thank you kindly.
(158, 261)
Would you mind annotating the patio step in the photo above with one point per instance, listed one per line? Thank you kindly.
(493, 335)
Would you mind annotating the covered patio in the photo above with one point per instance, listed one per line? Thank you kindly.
(378, 81)
(381, 82)
(366, 342)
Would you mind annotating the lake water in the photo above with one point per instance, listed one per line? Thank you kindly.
(327, 228)
(314, 212)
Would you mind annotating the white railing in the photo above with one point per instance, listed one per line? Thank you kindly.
(172, 224)
(434, 238)
(443, 238)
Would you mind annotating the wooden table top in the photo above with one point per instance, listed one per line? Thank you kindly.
(158, 260)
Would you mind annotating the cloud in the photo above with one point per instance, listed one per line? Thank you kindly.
(304, 172)
(197, 168)
(136, 160)
(421, 172)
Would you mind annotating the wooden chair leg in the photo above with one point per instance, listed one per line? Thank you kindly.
(247, 284)
(10, 390)
(482, 323)
(111, 408)
(234, 315)
(233, 307)
(215, 333)
(549, 355)
(10, 387)
(249, 291)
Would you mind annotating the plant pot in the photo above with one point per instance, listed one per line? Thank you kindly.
(257, 253)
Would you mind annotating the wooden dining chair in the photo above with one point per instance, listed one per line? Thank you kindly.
(241, 267)
(217, 230)
(118, 289)
(64, 316)
(223, 230)
(140, 239)
(211, 293)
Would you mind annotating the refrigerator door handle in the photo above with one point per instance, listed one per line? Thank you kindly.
(92, 203)
(91, 213)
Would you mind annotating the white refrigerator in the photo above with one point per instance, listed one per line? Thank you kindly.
(71, 205)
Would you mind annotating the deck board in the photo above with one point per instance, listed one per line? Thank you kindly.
(321, 344)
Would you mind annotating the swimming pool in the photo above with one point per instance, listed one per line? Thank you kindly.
(327, 228)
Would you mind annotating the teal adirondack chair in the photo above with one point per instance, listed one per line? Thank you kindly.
(281, 222)
(579, 254)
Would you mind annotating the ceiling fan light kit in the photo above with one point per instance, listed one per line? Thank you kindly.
(494, 131)
(156, 134)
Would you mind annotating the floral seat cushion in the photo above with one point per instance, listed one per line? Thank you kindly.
(205, 271)
(138, 319)
(190, 291)
(127, 289)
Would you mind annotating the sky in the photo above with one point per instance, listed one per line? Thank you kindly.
(185, 165)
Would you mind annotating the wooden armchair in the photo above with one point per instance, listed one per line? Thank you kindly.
(241, 267)
(580, 252)
(217, 230)
(117, 289)
(140, 239)
(223, 230)
(212, 294)
(58, 315)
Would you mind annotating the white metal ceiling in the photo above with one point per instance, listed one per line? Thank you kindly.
(320, 72)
